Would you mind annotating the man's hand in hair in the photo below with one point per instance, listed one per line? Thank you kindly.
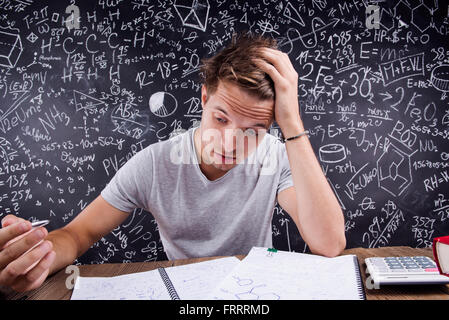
(278, 66)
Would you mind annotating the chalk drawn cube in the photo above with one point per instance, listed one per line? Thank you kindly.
(10, 49)
(193, 13)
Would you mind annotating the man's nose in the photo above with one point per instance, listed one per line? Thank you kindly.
(230, 139)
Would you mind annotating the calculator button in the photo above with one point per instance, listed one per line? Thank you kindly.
(422, 259)
(428, 265)
(396, 267)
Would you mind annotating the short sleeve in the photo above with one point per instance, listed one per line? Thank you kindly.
(285, 177)
(128, 189)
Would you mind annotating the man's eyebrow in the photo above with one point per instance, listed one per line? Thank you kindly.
(262, 125)
(222, 110)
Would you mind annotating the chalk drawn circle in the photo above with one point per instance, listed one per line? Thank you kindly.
(332, 153)
(163, 104)
(440, 77)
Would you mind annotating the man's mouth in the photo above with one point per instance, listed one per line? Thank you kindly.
(225, 158)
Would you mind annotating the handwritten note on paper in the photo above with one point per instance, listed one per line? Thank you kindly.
(191, 281)
(196, 281)
(280, 275)
(136, 286)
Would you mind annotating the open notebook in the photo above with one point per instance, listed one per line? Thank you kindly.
(268, 274)
(264, 274)
(187, 282)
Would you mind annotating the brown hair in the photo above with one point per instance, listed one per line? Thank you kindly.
(234, 64)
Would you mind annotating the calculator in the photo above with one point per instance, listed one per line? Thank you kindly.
(404, 270)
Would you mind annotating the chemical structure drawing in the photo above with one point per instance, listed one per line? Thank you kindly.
(251, 290)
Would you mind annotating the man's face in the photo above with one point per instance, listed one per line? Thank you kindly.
(232, 125)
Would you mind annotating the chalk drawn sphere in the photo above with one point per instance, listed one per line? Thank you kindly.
(163, 104)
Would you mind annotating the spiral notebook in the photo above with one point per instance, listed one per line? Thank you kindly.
(192, 281)
(267, 274)
(262, 275)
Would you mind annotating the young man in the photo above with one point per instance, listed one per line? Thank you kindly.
(212, 189)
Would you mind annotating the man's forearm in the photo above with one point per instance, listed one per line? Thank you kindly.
(66, 249)
(319, 213)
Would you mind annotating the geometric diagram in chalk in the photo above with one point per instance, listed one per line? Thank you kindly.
(332, 153)
(32, 37)
(386, 19)
(291, 13)
(403, 13)
(421, 17)
(163, 104)
(10, 49)
(84, 101)
(394, 171)
(432, 5)
(440, 78)
(193, 13)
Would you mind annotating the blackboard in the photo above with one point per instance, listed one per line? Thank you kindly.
(78, 81)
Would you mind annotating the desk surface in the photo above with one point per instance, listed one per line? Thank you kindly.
(54, 287)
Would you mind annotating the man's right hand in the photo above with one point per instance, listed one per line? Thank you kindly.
(25, 257)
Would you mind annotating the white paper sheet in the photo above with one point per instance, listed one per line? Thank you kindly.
(196, 281)
(285, 275)
(192, 281)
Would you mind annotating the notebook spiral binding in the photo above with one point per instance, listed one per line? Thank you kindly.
(168, 284)
(360, 287)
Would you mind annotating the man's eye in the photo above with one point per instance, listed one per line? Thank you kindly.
(221, 120)
(250, 132)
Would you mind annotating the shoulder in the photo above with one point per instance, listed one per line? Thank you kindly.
(173, 139)
(175, 149)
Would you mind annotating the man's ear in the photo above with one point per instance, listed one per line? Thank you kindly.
(203, 95)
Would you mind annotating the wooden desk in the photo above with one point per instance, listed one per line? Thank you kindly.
(54, 287)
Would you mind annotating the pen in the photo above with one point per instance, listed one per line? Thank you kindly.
(41, 223)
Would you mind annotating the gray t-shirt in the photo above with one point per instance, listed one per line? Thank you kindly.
(198, 217)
